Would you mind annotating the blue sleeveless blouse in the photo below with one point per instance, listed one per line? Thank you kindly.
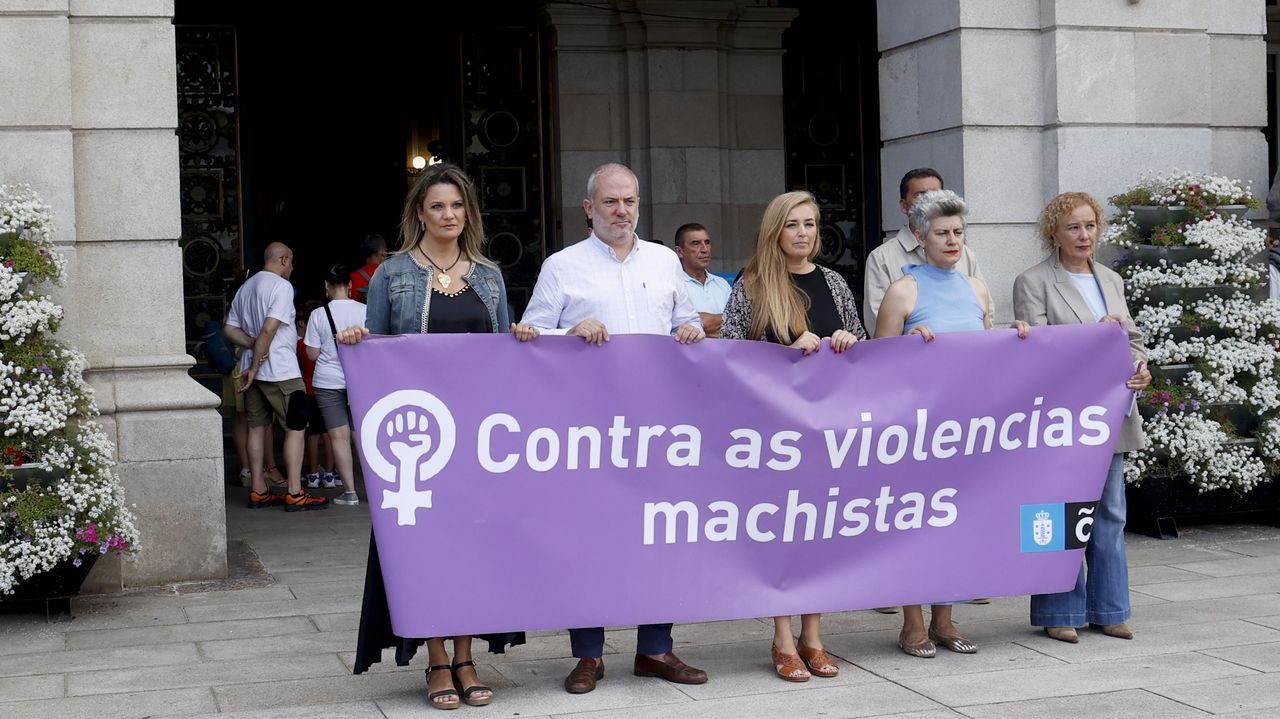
(945, 301)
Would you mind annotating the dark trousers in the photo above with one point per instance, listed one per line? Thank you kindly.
(650, 639)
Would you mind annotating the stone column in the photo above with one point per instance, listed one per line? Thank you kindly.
(1018, 100)
(89, 120)
(689, 94)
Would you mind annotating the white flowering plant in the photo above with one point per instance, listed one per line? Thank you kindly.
(1212, 413)
(73, 509)
(1200, 193)
(26, 234)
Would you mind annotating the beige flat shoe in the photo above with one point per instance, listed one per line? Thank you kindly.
(1119, 631)
(1063, 634)
(955, 643)
(923, 650)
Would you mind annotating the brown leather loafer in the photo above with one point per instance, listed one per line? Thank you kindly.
(583, 678)
(669, 667)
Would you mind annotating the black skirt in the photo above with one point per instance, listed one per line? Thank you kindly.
(375, 624)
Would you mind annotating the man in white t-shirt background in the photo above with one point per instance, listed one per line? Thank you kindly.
(261, 320)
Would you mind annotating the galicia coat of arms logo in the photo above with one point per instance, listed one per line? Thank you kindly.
(1042, 528)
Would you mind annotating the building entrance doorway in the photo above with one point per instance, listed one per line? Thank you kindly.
(304, 129)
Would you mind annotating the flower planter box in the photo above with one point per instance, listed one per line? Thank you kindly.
(61, 582)
(1168, 295)
(1172, 254)
(1158, 503)
(1237, 211)
(1175, 372)
(1149, 217)
(31, 473)
(1182, 334)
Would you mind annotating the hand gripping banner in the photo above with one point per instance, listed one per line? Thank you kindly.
(568, 485)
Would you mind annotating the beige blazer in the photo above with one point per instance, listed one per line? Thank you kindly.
(1045, 295)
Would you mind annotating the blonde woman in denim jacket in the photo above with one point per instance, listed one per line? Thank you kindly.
(438, 282)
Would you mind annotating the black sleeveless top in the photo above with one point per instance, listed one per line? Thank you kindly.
(460, 312)
(824, 318)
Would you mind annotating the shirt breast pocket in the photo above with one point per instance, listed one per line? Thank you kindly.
(661, 300)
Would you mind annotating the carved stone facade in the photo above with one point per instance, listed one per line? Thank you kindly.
(1012, 100)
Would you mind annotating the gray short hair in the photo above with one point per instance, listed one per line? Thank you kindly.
(935, 204)
(606, 169)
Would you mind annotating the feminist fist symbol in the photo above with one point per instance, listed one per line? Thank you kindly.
(404, 417)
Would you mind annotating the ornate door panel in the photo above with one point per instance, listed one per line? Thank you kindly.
(210, 176)
(829, 87)
(502, 150)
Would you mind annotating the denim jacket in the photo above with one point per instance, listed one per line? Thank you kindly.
(399, 299)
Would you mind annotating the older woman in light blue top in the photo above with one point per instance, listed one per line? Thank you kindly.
(929, 298)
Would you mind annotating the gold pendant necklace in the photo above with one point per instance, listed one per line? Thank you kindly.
(445, 279)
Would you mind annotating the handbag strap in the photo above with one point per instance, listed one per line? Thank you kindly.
(332, 326)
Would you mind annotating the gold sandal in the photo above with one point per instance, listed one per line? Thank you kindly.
(956, 643)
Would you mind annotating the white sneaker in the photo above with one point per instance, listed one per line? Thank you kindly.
(348, 498)
(246, 478)
(313, 480)
(327, 480)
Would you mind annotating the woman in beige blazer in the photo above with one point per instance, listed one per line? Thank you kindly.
(1070, 288)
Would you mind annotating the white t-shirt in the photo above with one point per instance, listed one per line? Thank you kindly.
(264, 295)
(1092, 293)
(346, 313)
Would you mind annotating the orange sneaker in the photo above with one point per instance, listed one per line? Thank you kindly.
(268, 499)
(303, 502)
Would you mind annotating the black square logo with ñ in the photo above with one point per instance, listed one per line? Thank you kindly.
(1079, 516)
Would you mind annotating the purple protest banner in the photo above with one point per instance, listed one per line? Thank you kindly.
(646, 481)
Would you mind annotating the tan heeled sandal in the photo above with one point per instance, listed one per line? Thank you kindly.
(820, 663)
(790, 667)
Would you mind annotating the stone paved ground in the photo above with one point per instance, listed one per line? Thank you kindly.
(279, 643)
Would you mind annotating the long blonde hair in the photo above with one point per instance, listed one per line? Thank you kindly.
(776, 302)
(411, 228)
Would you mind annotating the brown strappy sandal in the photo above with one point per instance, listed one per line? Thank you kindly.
(790, 667)
(820, 663)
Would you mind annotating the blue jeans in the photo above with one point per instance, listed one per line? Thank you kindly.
(1104, 599)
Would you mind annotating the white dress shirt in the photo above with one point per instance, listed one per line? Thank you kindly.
(641, 294)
